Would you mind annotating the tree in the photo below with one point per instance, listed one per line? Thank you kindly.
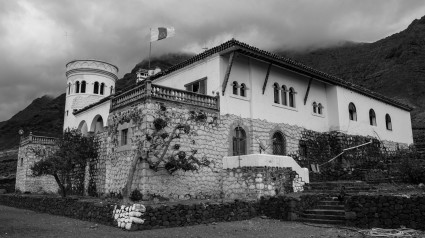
(72, 152)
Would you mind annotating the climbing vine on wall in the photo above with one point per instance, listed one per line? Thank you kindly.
(165, 136)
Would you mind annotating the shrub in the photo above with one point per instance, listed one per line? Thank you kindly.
(412, 167)
(136, 195)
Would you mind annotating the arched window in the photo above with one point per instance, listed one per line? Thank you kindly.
(239, 141)
(284, 95)
(276, 92)
(388, 122)
(278, 144)
(243, 90)
(292, 97)
(314, 107)
(352, 112)
(235, 87)
(102, 85)
(372, 117)
(112, 89)
(96, 88)
(83, 87)
(77, 87)
(320, 109)
(69, 88)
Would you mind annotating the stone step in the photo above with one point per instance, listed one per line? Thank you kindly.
(330, 203)
(322, 221)
(325, 212)
(326, 207)
(323, 217)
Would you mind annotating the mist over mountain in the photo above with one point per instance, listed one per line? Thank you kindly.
(393, 66)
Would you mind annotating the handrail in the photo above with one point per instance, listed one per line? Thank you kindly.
(44, 140)
(149, 90)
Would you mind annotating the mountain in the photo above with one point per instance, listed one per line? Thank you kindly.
(44, 116)
(393, 66)
(163, 62)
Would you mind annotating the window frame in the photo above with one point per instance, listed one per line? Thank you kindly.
(238, 142)
(190, 86)
(284, 95)
(292, 93)
(388, 122)
(282, 143)
(352, 114)
(276, 96)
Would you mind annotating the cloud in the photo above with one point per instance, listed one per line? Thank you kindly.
(38, 37)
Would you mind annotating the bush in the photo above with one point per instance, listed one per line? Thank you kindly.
(412, 167)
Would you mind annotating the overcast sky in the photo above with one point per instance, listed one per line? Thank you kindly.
(38, 37)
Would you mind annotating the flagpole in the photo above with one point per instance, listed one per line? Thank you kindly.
(150, 49)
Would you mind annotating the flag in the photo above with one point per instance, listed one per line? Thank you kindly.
(161, 33)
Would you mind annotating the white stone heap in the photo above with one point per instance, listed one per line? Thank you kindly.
(128, 217)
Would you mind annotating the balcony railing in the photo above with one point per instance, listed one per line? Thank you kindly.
(148, 90)
(43, 140)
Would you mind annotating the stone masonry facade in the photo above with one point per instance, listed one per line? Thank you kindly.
(210, 137)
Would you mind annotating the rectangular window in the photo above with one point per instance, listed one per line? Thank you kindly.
(198, 86)
(124, 136)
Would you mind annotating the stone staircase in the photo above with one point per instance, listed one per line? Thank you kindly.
(327, 211)
(330, 210)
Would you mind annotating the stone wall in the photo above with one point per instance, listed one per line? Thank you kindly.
(212, 139)
(386, 211)
(95, 211)
(255, 182)
(29, 154)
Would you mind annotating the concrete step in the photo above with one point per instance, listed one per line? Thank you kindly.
(325, 212)
(323, 217)
(322, 221)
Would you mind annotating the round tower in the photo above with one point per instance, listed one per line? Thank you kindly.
(88, 81)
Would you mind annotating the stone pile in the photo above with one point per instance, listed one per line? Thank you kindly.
(129, 217)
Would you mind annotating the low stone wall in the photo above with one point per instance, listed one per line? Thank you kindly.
(70, 207)
(255, 182)
(386, 211)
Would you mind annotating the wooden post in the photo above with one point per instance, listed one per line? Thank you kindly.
(229, 68)
(267, 78)
(308, 90)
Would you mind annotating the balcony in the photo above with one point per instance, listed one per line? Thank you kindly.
(161, 93)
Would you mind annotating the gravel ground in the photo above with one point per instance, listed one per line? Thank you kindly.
(24, 223)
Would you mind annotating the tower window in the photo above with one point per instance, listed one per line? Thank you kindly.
(314, 107)
(83, 86)
(352, 112)
(102, 86)
(112, 89)
(77, 87)
(96, 88)
(69, 88)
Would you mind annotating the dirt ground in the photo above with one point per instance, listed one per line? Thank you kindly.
(24, 223)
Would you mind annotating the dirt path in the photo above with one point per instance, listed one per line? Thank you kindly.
(24, 223)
